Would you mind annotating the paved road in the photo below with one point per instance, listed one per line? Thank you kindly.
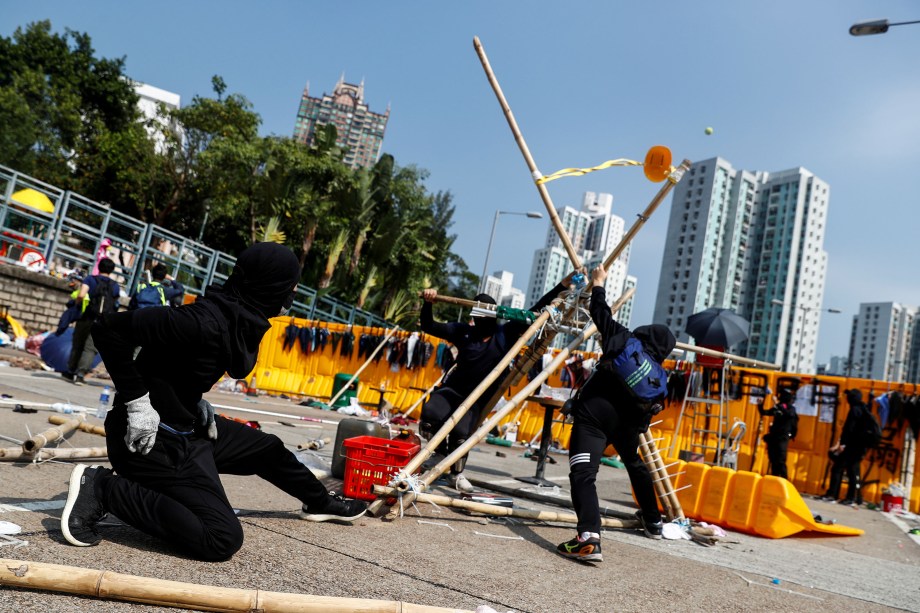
(440, 557)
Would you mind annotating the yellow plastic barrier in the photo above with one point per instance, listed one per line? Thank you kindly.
(766, 506)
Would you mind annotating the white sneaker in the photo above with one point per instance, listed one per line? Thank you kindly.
(460, 483)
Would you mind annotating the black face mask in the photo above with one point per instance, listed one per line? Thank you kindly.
(286, 305)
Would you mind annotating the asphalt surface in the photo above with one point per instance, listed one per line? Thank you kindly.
(439, 556)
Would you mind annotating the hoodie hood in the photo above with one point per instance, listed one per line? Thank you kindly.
(658, 340)
(262, 282)
(854, 396)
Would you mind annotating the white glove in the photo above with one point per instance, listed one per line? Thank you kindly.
(143, 421)
(206, 418)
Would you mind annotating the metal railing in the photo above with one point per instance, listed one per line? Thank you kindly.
(47, 229)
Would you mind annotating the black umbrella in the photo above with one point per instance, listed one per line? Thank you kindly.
(718, 327)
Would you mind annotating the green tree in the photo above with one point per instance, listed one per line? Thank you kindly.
(60, 104)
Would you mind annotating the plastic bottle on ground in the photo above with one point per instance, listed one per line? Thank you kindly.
(103, 407)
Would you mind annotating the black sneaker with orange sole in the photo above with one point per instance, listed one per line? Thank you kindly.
(583, 551)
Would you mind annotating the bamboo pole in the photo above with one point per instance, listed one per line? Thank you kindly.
(673, 179)
(433, 473)
(108, 585)
(276, 414)
(85, 426)
(386, 338)
(462, 409)
(728, 356)
(15, 454)
(500, 511)
(661, 477)
(50, 435)
(525, 151)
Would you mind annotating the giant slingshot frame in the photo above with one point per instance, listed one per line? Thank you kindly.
(567, 313)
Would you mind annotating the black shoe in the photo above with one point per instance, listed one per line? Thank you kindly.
(652, 530)
(78, 380)
(83, 510)
(583, 551)
(335, 508)
(68, 375)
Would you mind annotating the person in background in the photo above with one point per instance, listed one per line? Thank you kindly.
(98, 296)
(609, 410)
(784, 427)
(160, 291)
(847, 454)
(481, 344)
(166, 445)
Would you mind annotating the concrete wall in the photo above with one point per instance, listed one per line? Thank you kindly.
(36, 300)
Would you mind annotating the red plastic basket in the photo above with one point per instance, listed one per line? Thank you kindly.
(371, 461)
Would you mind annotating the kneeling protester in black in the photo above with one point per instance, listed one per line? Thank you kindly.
(167, 448)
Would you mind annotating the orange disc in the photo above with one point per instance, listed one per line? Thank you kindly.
(657, 163)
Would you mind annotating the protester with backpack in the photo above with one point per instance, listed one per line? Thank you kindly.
(784, 428)
(860, 432)
(158, 292)
(98, 295)
(615, 406)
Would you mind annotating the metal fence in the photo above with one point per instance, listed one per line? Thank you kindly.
(47, 229)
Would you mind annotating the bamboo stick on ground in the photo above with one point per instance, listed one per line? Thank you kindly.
(131, 588)
(50, 435)
(14, 454)
(525, 151)
(85, 426)
(500, 511)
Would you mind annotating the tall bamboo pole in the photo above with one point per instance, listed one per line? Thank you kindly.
(500, 511)
(531, 165)
(50, 435)
(108, 585)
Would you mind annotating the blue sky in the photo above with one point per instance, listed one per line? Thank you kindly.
(782, 83)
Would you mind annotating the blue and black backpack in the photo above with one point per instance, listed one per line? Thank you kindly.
(645, 380)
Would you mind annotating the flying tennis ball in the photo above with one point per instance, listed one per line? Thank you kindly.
(708, 131)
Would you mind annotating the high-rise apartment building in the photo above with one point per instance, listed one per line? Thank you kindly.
(594, 232)
(150, 100)
(500, 285)
(883, 341)
(752, 242)
(360, 131)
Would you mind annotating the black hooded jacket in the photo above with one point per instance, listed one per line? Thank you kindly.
(481, 346)
(657, 340)
(185, 350)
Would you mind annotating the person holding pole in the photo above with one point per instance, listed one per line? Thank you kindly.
(784, 427)
(481, 344)
(615, 405)
(166, 445)
(847, 453)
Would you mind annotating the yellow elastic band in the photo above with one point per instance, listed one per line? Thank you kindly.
(577, 172)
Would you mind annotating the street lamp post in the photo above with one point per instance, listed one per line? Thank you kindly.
(875, 26)
(807, 310)
(485, 266)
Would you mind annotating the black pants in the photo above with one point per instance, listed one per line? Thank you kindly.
(174, 492)
(83, 350)
(777, 448)
(847, 460)
(596, 424)
(437, 410)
